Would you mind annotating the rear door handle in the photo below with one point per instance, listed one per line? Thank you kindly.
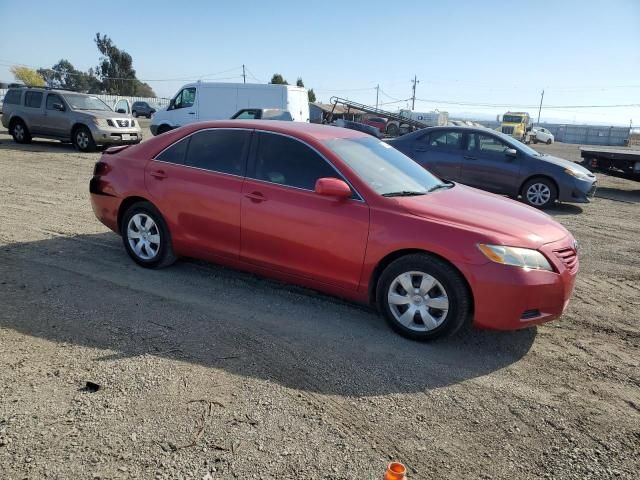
(468, 157)
(256, 197)
(192, 113)
(159, 174)
(420, 149)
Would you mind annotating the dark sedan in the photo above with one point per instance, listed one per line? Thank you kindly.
(495, 162)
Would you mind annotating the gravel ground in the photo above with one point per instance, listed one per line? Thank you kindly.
(210, 373)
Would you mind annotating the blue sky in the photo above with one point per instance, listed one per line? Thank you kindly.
(473, 52)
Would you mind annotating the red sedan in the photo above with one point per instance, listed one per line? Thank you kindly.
(338, 211)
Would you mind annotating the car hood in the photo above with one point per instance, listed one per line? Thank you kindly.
(500, 219)
(561, 162)
(102, 115)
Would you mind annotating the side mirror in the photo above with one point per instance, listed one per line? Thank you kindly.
(333, 187)
(511, 152)
(59, 107)
(121, 110)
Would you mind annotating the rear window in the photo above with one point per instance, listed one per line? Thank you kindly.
(12, 97)
(33, 99)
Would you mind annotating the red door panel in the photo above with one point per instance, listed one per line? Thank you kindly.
(201, 207)
(299, 232)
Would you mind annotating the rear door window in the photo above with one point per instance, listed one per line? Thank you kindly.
(219, 150)
(175, 153)
(33, 99)
(446, 139)
(12, 97)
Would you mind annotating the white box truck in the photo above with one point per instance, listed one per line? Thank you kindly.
(201, 101)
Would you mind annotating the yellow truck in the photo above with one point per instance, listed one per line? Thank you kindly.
(516, 124)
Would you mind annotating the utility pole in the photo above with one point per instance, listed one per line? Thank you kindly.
(377, 92)
(244, 76)
(413, 98)
(540, 109)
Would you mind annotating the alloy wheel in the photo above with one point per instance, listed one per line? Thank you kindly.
(143, 236)
(418, 301)
(538, 194)
(82, 140)
(18, 132)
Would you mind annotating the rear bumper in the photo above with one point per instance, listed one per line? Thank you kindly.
(511, 298)
(105, 206)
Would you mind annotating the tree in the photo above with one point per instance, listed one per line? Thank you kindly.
(299, 83)
(116, 70)
(64, 75)
(277, 79)
(312, 95)
(28, 76)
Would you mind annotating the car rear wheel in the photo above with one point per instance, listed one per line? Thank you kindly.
(135, 114)
(422, 297)
(146, 237)
(393, 130)
(539, 193)
(20, 132)
(548, 141)
(83, 139)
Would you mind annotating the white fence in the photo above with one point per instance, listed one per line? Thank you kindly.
(112, 99)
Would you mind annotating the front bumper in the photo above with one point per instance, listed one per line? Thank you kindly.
(116, 136)
(510, 298)
(578, 191)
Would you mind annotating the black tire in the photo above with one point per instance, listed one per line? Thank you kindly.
(135, 114)
(163, 129)
(393, 130)
(20, 132)
(548, 141)
(163, 256)
(83, 140)
(535, 141)
(538, 184)
(448, 279)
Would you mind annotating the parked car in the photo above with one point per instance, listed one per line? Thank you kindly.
(377, 122)
(361, 127)
(495, 162)
(342, 212)
(68, 116)
(540, 134)
(142, 109)
(262, 114)
(200, 101)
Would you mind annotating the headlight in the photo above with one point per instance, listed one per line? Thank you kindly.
(576, 174)
(518, 257)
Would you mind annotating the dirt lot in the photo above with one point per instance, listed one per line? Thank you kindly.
(211, 373)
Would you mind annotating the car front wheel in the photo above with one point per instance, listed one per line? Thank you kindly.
(539, 193)
(423, 297)
(84, 140)
(146, 237)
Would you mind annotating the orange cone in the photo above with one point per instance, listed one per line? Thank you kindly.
(395, 471)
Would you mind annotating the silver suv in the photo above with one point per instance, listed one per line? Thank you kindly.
(68, 116)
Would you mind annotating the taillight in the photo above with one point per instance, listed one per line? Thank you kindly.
(101, 168)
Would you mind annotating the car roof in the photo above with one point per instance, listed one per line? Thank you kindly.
(297, 129)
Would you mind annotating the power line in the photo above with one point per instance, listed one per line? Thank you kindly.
(514, 105)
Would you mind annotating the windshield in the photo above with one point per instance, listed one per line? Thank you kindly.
(85, 102)
(382, 167)
(512, 118)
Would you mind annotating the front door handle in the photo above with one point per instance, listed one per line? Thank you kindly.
(469, 157)
(256, 197)
(159, 174)
(192, 113)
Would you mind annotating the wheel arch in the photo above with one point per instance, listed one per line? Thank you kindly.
(395, 255)
(76, 126)
(15, 119)
(127, 202)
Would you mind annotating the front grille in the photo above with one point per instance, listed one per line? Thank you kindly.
(569, 257)
(507, 130)
(123, 123)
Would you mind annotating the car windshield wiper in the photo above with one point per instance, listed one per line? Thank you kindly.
(439, 186)
(403, 193)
